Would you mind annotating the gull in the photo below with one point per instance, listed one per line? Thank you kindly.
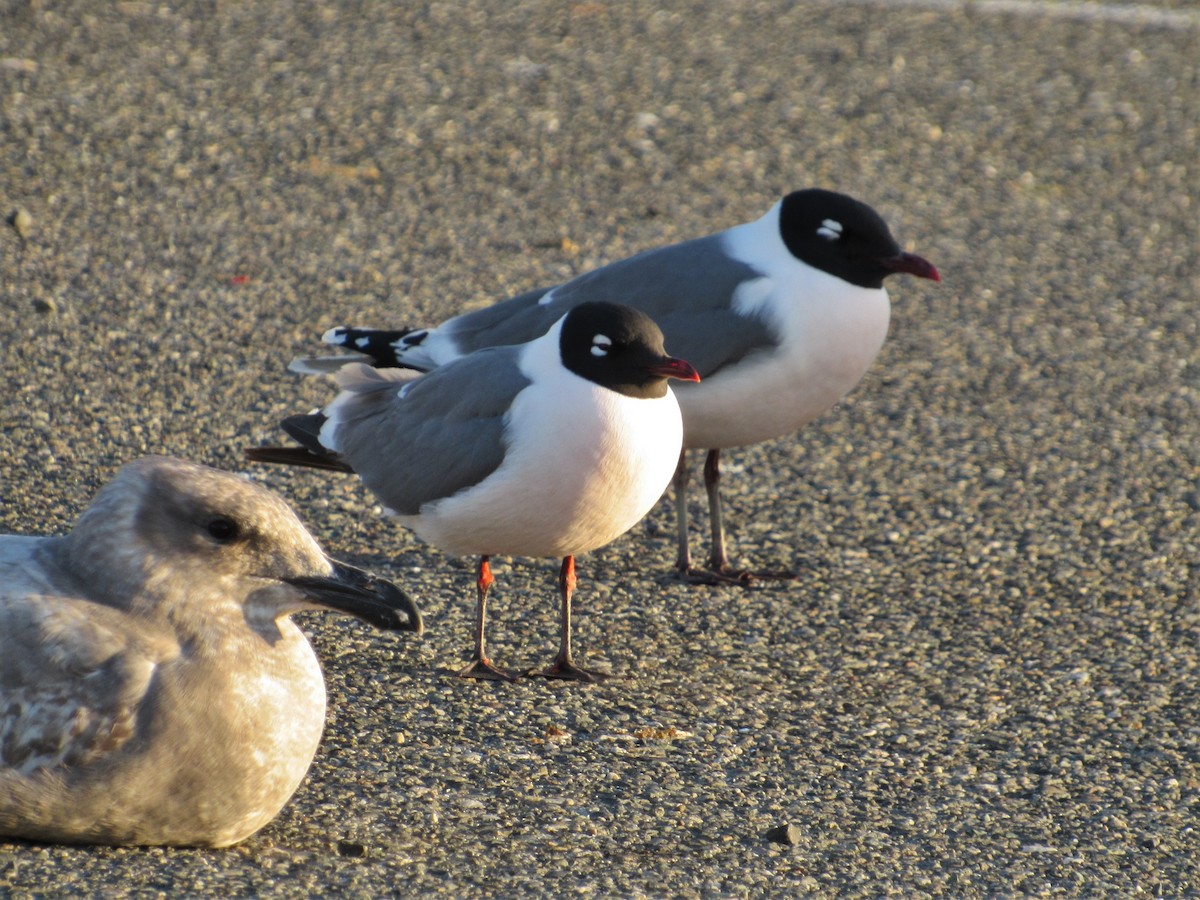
(550, 448)
(153, 689)
(781, 316)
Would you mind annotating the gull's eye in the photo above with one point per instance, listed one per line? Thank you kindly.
(223, 530)
(830, 229)
(601, 344)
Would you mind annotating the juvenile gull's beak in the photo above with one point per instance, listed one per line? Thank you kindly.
(354, 591)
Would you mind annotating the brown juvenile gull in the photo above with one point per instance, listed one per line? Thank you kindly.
(152, 688)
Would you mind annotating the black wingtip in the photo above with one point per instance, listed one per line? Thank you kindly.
(377, 344)
(305, 430)
(296, 456)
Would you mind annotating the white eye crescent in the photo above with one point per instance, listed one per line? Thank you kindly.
(830, 229)
(601, 344)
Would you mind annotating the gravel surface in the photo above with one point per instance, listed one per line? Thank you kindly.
(984, 680)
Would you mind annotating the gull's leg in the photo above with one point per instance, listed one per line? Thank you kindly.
(684, 570)
(564, 664)
(481, 666)
(718, 561)
(683, 559)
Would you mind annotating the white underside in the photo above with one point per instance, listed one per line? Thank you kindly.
(827, 346)
(584, 464)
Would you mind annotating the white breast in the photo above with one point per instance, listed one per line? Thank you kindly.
(584, 464)
(830, 332)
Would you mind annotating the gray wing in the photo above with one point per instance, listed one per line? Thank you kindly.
(686, 288)
(73, 673)
(445, 434)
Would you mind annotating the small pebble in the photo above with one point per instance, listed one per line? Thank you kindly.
(21, 221)
(785, 834)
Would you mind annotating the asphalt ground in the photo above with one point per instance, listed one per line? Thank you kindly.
(984, 679)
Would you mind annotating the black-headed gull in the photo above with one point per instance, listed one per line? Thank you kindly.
(550, 448)
(781, 317)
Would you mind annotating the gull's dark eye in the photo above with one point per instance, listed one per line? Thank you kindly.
(223, 530)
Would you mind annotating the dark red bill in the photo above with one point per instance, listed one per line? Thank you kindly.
(912, 264)
(670, 367)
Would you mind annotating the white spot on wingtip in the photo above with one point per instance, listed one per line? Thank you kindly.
(830, 229)
(547, 298)
(411, 339)
(362, 342)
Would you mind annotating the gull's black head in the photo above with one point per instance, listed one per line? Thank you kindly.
(846, 238)
(619, 348)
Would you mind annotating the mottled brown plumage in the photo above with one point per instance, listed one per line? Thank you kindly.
(152, 688)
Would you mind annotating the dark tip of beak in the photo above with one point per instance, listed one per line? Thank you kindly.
(912, 264)
(675, 368)
(366, 596)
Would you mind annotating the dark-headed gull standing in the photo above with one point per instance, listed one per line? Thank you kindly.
(153, 689)
(781, 316)
(550, 448)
